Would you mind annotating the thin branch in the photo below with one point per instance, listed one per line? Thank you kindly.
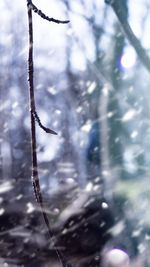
(47, 130)
(35, 177)
(135, 42)
(43, 16)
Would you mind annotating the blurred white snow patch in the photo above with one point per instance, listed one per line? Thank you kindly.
(58, 112)
(80, 138)
(134, 134)
(30, 207)
(70, 31)
(89, 187)
(110, 114)
(147, 237)
(5, 187)
(52, 90)
(5, 105)
(104, 205)
(96, 187)
(129, 115)
(136, 233)
(78, 7)
(105, 90)
(56, 211)
(128, 59)
(130, 160)
(79, 109)
(117, 228)
(116, 258)
(50, 150)
(66, 167)
(15, 105)
(70, 180)
(141, 248)
(117, 139)
(75, 207)
(78, 60)
(3, 262)
(91, 88)
(131, 88)
(105, 173)
(2, 211)
(19, 197)
(24, 51)
(87, 126)
(50, 143)
(16, 111)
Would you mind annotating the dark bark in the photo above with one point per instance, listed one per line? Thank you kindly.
(35, 178)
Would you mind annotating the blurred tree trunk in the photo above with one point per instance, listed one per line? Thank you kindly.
(5, 149)
(116, 129)
(14, 138)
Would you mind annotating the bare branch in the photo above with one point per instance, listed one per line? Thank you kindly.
(134, 41)
(42, 15)
(34, 116)
(47, 130)
(35, 179)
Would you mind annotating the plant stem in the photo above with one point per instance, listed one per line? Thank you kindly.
(35, 177)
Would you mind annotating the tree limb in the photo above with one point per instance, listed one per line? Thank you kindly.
(42, 15)
(35, 177)
(47, 130)
(134, 41)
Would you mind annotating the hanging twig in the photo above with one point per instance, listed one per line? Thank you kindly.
(43, 16)
(141, 52)
(47, 130)
(34, 116)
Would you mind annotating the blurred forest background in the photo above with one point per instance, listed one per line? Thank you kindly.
(92, 89)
